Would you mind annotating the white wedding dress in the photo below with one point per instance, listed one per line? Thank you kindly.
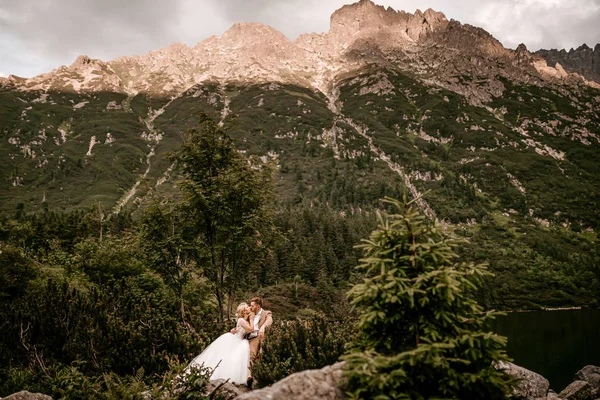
(233, 352)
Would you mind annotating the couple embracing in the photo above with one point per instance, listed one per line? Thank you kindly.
(233, 354)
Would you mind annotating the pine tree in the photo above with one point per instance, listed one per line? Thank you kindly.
(422, 336)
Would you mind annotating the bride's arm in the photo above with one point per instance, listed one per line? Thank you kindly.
(251, 323)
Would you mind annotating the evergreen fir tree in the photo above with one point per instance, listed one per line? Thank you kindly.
(422, 336)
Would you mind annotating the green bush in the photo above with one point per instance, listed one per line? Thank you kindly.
(294, 346)
(16, 272)
(71, 383)
(128, 324)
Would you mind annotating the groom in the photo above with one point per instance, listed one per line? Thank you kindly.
(262, 320)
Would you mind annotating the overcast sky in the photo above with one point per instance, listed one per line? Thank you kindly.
(37, 36)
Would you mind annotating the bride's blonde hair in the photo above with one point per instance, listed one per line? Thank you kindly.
(239, 312)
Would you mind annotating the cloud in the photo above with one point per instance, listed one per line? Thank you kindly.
(58, 25)
(39, 35)
(2, 75)
(56, 31)
(541, 23)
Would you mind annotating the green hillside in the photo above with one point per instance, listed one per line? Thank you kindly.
(519, 177)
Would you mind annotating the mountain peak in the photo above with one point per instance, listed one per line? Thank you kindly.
(241, 32)
(583, 47)
(366, 16)
(81, 60)
(86, 61)
(521, 49)
(434, 17)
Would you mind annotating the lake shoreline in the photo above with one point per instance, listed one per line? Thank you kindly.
(548, 309)
(553, 343)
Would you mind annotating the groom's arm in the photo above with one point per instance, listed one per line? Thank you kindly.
(268, 323)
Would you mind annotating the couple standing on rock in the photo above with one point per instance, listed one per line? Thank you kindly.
(232, 354)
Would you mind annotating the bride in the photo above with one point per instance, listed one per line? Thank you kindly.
(229, 354)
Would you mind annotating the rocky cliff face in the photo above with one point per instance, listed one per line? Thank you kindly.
(584, 60)
(362, 34)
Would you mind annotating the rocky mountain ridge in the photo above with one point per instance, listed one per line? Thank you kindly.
(584, 60)
(361, 34)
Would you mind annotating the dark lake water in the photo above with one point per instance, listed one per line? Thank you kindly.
(555, 344)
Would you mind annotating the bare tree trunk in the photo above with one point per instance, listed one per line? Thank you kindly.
(219, 295)
(222, 283)
(100, 219)
(230, 300)
(182, 305)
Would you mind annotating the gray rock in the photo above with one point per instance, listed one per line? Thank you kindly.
(590, 374)
(578, 390)
(306, 385)
(25, 395)
(552, 396)
(531, 385)
(226, 391)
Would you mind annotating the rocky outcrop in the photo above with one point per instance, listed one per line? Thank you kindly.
(590, 374)
(325, 384)
(25, 395)
(531, 386)
(578, 390)
(306, 385)
(583, 60)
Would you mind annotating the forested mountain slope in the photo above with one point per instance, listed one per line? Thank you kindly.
(505, 146)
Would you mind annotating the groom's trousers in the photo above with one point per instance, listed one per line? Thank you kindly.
(254, 346)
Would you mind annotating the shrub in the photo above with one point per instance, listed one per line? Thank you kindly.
(298, 345)
(71, 383)
(129, 324)
(16, 272)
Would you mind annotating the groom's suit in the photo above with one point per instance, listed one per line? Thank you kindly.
(265, 320)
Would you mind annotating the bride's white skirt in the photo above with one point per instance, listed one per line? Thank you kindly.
(234, 354)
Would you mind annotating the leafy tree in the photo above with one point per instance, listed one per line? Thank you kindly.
(422, 335)
(228, 203)
(162, 238)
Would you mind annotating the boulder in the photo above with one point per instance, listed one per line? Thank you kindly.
(552, 396)
(531, 385)
(225, 390)
(306, 385)
(25, 395)
(578, 390)
(590, 374)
